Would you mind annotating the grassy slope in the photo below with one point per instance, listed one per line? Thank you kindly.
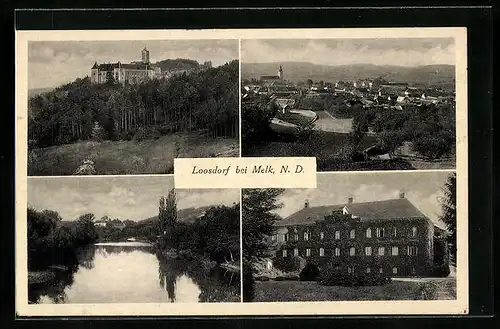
(128, 157)
(311, 291)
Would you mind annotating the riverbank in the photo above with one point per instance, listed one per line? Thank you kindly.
(207, 263)
(36, 277)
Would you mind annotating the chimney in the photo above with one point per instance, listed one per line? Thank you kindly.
(401, 195)
(350, 200)
(306, 204)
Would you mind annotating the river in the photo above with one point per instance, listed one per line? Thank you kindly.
(132, 272)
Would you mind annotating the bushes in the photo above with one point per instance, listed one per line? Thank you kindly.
(144, 133)
(287, 264)
(337, 277)
(309, 273)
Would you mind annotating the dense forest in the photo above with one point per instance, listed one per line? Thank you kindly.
(199, 101)
(53, 241)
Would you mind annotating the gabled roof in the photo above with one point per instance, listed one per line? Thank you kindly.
(387, 209)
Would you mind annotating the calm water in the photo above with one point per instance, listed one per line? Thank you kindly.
(133, 273)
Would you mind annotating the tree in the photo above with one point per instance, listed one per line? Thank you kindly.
(449, 214)
(97, 132)
(390, 140)
(167, 217)
(258, 221)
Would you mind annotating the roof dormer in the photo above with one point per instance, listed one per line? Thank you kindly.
(345, 211)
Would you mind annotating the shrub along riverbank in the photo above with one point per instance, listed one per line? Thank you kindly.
(53, 244)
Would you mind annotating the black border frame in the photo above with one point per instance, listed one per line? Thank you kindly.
(479, 23)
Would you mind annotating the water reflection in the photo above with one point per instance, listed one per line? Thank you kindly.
(130, 273)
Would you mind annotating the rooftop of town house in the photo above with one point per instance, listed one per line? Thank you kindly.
(387, 209)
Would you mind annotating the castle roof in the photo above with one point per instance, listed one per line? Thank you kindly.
(130, 66)
(366, 211)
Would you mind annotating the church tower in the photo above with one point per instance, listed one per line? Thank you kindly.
(145, 56)
(280, 73)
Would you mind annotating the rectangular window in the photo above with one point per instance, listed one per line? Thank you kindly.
(395, 251)
(368, 270)
(308, 252)
(352, 234)
(368, 251)
(285, 237)
(295, 252)
(337, 235)
(337, 251)
(296, 237)
(394, 270)
(394, 231)
(321, 235)
(368, 232)
(412, 251)
(321, 252)
(352, 251)
(381, 270)
(414, 231)
(306, 236)
(381, 251)
(413, 271)
(273, 237)
(380, 232)
(284, 252)
(350, 269)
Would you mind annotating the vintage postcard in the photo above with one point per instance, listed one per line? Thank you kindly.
(241, 172)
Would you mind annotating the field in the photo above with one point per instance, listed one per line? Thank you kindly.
(326, 122)
(328, 143)
(288, 291)
(128, 157)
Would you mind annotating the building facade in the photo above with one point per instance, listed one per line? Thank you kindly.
(391, 237)
(133, 73)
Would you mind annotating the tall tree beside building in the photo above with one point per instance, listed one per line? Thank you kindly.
(258, 224)
(449, 213)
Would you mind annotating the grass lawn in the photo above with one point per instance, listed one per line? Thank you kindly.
(295, 118)
(128, 157)
(288, 291)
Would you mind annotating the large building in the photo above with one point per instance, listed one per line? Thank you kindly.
(135, 72)
(391, 237)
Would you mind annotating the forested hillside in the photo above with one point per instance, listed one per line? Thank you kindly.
(201, 101)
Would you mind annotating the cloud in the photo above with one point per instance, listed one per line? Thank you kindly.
(405, 52)
(134, 198)
(51, 63)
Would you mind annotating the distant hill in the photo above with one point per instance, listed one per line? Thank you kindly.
(38, 91)
(187, 215)
(437, 75)
(177, 64)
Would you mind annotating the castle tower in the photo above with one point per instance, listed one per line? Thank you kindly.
(280, 73)
(145, 56)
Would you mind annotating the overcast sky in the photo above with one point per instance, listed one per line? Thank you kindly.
(393, 51)
(52, 63)
(134, 198)
(423, 189)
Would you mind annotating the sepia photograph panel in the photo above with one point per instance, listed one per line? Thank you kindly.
(103, 240)
(354, 104)
(130, 107)
(356, 237)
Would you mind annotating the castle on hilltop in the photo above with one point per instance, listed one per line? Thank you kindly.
(133, 73)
